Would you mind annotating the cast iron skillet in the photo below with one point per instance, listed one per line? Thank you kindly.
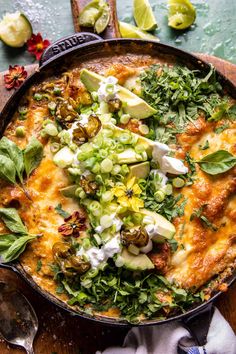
(86, 46)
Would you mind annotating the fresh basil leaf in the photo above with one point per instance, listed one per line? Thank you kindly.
(33, 155)
(217, 162)
(6, 240)
(16, 248)
(7, 169)
(12, 220)
(9, 149)
(61, 212)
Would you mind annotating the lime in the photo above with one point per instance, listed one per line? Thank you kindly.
(129, 31)
(95, 14)
(103, 20)
(182, 14)
(143, 15)
(90, 14)
(15, 29)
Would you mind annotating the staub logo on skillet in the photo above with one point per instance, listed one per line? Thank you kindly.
(70, 43)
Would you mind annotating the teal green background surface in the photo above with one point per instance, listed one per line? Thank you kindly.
(214, 31)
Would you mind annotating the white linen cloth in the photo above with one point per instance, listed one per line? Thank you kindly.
(172, 338)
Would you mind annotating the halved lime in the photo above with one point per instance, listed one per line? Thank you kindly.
(129, 31)
(143, 15)
(15, 29)
(182, 14)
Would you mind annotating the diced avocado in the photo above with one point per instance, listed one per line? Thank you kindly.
(129, 156)
(69, 191)
(164, 227)
(140, 170)
(140, 262)
(134, 105)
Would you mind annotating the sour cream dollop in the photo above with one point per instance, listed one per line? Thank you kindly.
(108, 89)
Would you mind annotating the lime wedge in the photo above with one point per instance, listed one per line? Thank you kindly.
(15, 29)
(103, 20)
(129, 31)
(90, 14)
(182, 14)
(143, 15)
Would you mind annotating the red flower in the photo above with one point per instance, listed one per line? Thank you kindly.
(16, 76)
(36, 45)
(73, 224)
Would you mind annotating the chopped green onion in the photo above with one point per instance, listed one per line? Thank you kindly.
(107, 196)
(51, 130)
(143, 128)
(20, 131)
(52, 106)
(119, 262)
(87, 283)
(95, 208)
(86, 243)
(178, 182)
(159, 196)
(55, 147)
(96, 168)
(139, 148)
(37, 96)
(57, 91)
(94, 95)
(89, 163)
(106, 165)
(106, 221)
(124, 119)
(125, 138)
(168, 189)
(116, 170)
(124, 170)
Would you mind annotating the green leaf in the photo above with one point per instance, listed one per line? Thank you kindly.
(6, 240)
(221, 128)
(232, 112)
(218, 162)
(12, 220)
(16, 248)
(7, 169)
(9, 149)
(33, 155)
(61, 212)
(39, 265)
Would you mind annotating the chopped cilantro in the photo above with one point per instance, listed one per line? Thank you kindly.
(39, 265)
(221, 128)
(205, 146)
(179, 95)
(61, 212)
(197, 213)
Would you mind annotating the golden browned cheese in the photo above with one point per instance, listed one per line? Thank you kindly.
(202, 252)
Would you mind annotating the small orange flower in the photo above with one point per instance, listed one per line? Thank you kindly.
(36, 45)
(15, 77)
(73, 225)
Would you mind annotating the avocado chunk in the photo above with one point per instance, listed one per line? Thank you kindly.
(140, 262)
(135, 106)
(164, 228)
(140, 170)
(129, 156)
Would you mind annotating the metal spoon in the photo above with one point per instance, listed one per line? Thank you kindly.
(18, 321)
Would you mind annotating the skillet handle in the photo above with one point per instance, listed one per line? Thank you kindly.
(67, 44)
(9, 266)
(198, 324)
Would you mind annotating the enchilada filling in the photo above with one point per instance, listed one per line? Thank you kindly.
(123, 188)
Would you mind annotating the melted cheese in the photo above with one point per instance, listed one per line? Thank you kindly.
(206, 252)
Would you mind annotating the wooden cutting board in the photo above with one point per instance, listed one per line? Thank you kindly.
(61, 333)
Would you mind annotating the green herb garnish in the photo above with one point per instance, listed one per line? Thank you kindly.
(12, 245)
(218, 162)
(61, 212)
